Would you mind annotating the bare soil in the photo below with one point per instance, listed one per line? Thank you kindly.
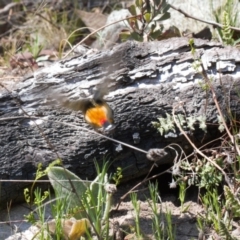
(13, 225)
(183, 222)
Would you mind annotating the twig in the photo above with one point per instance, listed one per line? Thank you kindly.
(77, 127)
(92, 33)
(200, 152)
(218, 108)
(214, 24)
(9, 6)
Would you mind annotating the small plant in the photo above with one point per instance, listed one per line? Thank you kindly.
(169, 226)
(146, 25)
(232, 202)
(88, 200)
(214, 214)
(158, 231)
(200, 226)
(227, 33)
(78, 205)
(136, 206)
(35, 47)
(38, 201)
(167, 124)
(209, 176)
(117, 176)
(182, 194)
(213, 170)
(227, 15)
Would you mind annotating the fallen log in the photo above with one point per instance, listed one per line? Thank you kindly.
(146, 80)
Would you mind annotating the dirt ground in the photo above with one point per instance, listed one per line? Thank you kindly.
(184, 224)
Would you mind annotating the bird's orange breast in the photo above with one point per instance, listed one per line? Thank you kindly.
(98, 115)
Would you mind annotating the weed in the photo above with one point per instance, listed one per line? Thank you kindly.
(117, 176)
(169, 227)
(182, 194)
(145, 25)
(227, 15)
(77, 204)
(158, 231)
(136, 206)
(216, 171)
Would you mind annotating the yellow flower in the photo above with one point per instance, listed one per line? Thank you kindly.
(72, 229)
(79, 228)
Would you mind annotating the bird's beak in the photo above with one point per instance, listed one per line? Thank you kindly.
(107, 126)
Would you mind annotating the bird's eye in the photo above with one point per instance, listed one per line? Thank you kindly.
(99, 102)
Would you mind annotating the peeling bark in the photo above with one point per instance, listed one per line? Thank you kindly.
(145, 81)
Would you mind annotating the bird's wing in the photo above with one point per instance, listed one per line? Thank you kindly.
(77, 105)
(101, 91)
(81, 104)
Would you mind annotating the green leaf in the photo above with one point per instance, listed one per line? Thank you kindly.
(136, 37)
(67, 185)
(139, 3)
(157, 17)
(153, 26)
(132, 10)
(124, 36)
(190, 122)
(95, 186)
(202, 123)
(156, 34)
(147, 17)
(162, 17)
(166, 7)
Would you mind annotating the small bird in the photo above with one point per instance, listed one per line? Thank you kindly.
(96, 111)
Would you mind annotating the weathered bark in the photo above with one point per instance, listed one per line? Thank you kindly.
(145, 81)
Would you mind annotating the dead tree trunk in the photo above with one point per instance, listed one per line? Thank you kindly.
(145, 81)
